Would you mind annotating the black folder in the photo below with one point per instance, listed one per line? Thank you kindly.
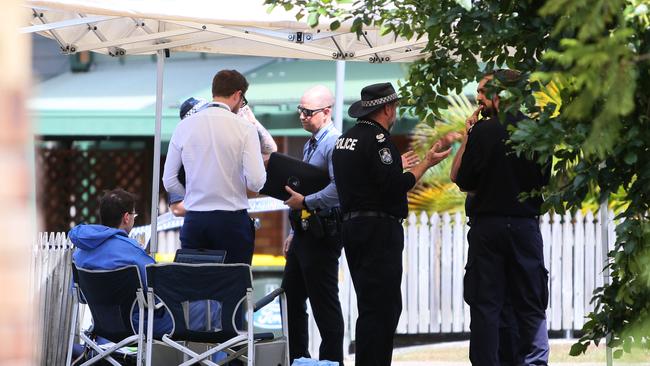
(197, 256)
(283, 170)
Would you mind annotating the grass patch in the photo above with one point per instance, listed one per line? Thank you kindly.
(559, 353)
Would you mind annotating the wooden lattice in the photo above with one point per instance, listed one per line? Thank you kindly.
(70, 182)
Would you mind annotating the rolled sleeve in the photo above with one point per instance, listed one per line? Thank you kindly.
(173, 164)
(252, 160)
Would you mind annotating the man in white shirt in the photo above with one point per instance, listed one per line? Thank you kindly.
(221, 155)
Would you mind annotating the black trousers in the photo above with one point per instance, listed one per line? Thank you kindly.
(311, 272)
(506, 260)
(232, 231)
(373, 247)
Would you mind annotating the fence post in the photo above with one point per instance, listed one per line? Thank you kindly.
(411, 274)
(458, 249)
(579, 272)
(434, 259)
(446, 275)
(590, 262)
(556, 273)
(567, 275)
(424, 277)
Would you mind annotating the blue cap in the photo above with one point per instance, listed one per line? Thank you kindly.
(190, 107)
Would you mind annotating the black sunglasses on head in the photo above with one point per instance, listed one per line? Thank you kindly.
(310, 112)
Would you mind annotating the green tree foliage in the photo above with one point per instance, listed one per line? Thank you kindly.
(599, 50)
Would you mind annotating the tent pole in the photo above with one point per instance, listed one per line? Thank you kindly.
(604, 230)
(155, 184)
(338, 102)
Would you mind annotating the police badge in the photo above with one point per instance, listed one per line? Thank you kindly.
(380, 138)
(385, 156)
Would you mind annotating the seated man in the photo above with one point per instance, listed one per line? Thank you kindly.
(108, 246)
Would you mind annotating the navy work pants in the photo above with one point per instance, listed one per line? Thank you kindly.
(373, 248)
(312, 272)
(506, 260)
(232, 231)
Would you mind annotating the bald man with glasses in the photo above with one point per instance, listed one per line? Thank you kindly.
(314, 246)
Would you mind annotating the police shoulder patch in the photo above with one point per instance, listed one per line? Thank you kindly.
(386, 156)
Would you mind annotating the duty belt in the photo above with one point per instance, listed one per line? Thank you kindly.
(355, 214)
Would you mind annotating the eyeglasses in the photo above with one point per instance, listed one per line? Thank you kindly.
(135, 214)
(244, 102)
(310, 112)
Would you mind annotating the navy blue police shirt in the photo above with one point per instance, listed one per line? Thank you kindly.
(496, 175)
(368, 171)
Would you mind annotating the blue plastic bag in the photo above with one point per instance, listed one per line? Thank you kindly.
(311, 362)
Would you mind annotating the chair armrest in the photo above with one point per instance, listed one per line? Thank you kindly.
(268, 298)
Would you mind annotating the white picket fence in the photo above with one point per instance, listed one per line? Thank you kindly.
(434, 257)
(50, 286)
(435, 253)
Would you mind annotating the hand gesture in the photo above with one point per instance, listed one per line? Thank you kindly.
(410, 159)
(436, 154)
(449, 138)
(295, 200)
(471, 121)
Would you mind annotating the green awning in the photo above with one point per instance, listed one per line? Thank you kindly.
(117, 99)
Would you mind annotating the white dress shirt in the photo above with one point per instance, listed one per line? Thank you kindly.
(221, 155)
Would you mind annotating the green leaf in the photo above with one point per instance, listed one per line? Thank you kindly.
(577, 349)
(630, 158)
(356, 25)
(335, 25)
(618, 353)
(312, 20)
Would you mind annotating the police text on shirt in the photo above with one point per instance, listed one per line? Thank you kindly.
(346, 144)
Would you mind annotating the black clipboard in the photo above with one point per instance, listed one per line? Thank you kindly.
(283, 170)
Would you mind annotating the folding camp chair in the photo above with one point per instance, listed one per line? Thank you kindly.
(111, 296)
(206, 301)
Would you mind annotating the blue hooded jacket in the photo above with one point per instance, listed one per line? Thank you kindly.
(103, 247)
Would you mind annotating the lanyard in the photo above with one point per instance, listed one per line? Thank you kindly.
(213, 104)
(310, 151)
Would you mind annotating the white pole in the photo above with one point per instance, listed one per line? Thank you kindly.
(338, 102)
(604, 230)
(160, 64)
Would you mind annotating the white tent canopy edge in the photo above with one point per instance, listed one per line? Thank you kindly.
(131, 27)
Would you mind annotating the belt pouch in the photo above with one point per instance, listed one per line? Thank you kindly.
(316, 226)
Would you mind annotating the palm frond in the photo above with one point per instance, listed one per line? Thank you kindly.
(436, 192)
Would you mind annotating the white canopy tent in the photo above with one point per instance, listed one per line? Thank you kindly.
(242, 27)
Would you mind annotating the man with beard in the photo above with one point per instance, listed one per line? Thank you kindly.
(221, 155)
(372, 188)
(505, 258)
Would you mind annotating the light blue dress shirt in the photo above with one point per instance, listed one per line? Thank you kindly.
(321, 157)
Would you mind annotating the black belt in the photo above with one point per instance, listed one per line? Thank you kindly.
(355, 214)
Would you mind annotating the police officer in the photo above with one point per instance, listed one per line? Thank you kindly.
(505, 258)
(314, 247)
(372, 189)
